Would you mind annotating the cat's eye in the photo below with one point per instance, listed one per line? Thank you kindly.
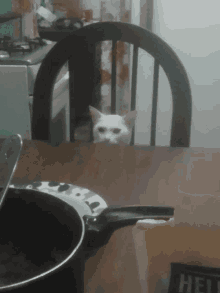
(116, 130)
(101, 129)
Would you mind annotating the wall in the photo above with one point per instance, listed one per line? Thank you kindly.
(192, 29)
(95, 5)
(17, 28)
(6, 29)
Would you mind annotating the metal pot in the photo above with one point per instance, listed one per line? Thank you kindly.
(73, 23)
(44, 241)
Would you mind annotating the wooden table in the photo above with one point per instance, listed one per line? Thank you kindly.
(187, 179)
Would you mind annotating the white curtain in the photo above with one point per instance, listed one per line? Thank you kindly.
(131, 11)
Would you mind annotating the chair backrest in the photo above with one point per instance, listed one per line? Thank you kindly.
(79, 49)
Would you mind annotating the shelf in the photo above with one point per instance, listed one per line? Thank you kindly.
(53, 34)
(9, 16)
(56, 35)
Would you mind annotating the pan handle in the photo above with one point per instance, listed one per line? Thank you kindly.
(99, 229)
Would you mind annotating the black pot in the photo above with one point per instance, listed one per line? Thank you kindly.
(73, 23)
(44, 241)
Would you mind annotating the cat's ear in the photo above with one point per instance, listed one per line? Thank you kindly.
(95, 114)
(130, 118)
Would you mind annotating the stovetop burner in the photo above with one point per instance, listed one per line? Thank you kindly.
(15, 48)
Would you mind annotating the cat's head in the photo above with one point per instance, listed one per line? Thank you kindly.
(112, 129)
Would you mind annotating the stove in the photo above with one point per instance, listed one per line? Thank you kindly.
(19, 65)
(20, 48)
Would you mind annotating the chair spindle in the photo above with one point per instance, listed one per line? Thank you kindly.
(134, 84)
(113, 89)
(154, 103)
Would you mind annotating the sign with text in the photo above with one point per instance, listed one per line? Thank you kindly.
(194, 279)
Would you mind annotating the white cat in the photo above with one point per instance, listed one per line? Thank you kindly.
(112, 129)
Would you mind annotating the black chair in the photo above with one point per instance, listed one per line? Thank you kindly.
(79, 49)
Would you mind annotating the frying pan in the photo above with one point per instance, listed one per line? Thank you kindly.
(45, 241)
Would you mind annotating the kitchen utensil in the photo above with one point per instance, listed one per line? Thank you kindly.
(44, 241)
(9, 155)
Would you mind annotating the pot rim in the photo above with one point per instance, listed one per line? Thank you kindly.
(19, 284)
